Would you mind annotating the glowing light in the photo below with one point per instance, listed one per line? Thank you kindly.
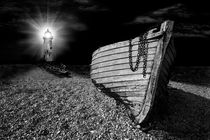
(48, 34)
(45, 26)
(61, 26)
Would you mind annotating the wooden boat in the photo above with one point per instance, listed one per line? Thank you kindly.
(56, 68)
(113, 71)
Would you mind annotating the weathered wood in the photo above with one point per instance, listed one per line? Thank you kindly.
(149, 37)
(134, 99)
(150, 95)
(171, 52)
(120, 44)
(119, 56)
(119, 72)
(126, 83)
(172, 48)
(164, 73)
(117, 62)
(151, 49)
(166, 64)
(110, 70)
(147, 104)
(131, 94)
(123, 78)
(129, 88)
(169, 57)
(118, 67)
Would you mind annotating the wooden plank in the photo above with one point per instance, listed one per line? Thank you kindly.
(123, 78)
(172, 50)
(125, 54)
(119, 55)
(129, 88)
(134, 99)
(131, 94)
(164, 73)
(145, 110)
(120, 44)
(172, 47)
(170, 55)
(166, 64)
(119, 72)
(126, 83)
(149, 98)
(158, 73)
(118, 67)
(164, 70)
(118, 60)
(167, 69)
(151, 49)
(168, 59)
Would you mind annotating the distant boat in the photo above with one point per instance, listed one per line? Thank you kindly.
(56, 68)
(136, 71)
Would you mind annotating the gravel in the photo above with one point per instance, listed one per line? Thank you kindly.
(35, 104)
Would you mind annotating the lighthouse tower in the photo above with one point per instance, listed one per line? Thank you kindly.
(48, 46)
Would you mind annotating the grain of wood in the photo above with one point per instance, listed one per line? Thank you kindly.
(118, 67)
(125, 49)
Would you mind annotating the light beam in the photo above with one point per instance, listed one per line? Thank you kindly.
(35, 29)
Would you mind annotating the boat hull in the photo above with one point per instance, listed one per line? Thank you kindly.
(111, 71)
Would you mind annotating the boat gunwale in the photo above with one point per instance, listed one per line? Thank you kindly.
(94, 53)
(150, 36)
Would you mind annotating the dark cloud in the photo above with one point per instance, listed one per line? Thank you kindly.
(143, 20)
(192, 30)
(94, 23)
(90, 6)
(83, 1)
(188, 23)
(74, 23)
(174, 11)
(93, 8)
(55, 3)
(177, 10)
(9, 7)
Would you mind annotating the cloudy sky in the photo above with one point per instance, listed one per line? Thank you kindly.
(89, 24)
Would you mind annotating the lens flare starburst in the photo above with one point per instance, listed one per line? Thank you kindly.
(37, 26)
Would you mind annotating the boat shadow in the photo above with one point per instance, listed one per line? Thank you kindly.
(192, 75)
(188, 115)
(83, 70)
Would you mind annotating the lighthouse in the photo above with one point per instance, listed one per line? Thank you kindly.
(48, 46)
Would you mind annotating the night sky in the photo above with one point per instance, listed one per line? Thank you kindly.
(91, 24)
